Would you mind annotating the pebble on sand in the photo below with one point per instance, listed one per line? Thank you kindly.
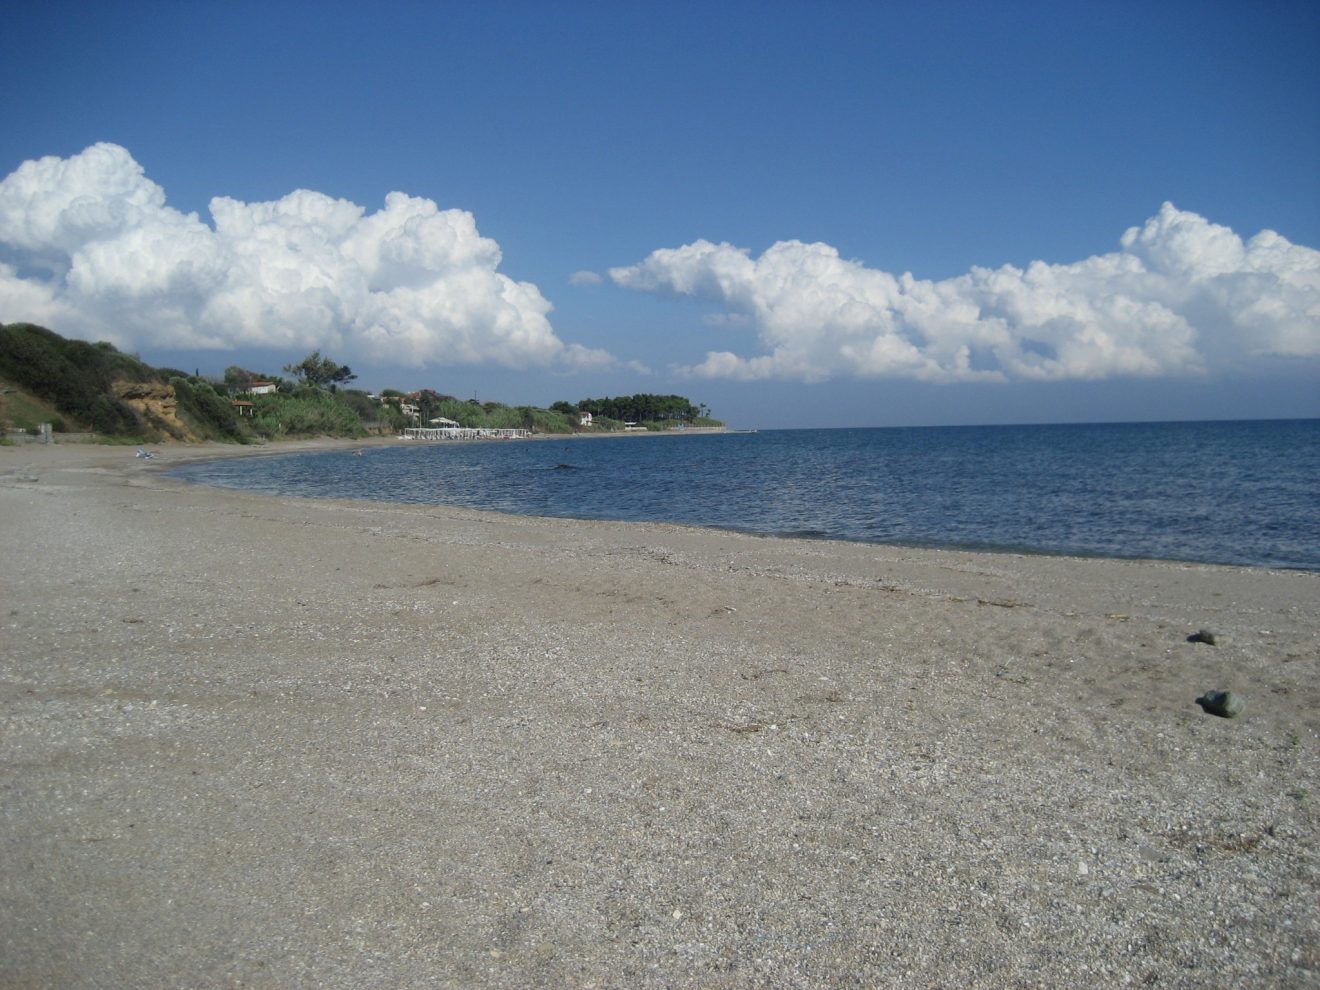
(1225, 704)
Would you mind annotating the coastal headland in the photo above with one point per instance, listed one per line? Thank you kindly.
(270, 742)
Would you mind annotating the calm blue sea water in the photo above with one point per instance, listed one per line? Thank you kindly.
(1229, 493)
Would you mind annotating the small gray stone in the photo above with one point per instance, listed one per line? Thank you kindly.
(1207, 636)
(1225, 704)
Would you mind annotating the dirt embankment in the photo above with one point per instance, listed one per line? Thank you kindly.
(158, 406)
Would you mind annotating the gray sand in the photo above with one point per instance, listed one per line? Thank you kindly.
(251, 741)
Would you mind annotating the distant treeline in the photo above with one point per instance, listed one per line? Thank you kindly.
(641, 408)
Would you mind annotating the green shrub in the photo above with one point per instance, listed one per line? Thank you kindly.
(363, 406)
(207, 413)
(113, 417)
(310, 413)
(546, 421)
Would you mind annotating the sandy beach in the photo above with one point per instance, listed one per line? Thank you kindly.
(268, 742)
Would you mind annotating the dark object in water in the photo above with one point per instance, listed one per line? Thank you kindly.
(565, 467)
(1225, 704)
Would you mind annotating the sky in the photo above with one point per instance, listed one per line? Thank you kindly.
(821, 214)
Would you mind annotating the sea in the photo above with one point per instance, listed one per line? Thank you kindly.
(1240, 493)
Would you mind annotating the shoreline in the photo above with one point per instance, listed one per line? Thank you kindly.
(269, 741)
(314, 446)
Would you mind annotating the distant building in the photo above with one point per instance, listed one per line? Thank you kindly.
(584, 418)
(261, 388)
(408, 409)
(243, 408)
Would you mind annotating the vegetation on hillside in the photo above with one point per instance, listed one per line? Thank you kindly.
(211, 415)
(73, 376)
(305, 412)
(76, 386)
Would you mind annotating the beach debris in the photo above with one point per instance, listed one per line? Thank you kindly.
(1225, 704)
(1207, 636)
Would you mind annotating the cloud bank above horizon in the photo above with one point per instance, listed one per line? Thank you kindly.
(94, 251)
(1182, 296)
(90, 248)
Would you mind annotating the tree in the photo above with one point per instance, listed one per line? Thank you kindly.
(239, 378)
(321, 371)
(427, 401)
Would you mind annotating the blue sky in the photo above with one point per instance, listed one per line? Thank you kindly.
(720, 200)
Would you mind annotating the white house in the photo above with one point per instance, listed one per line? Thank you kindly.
(584, 418)
(261, 388)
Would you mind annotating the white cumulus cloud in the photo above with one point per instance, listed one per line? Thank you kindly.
(1182, 295)
(89, 248)
(585, 278)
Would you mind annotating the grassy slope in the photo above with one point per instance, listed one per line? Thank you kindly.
(21, 410)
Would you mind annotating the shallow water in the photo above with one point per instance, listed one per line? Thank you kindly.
(1228, 492)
